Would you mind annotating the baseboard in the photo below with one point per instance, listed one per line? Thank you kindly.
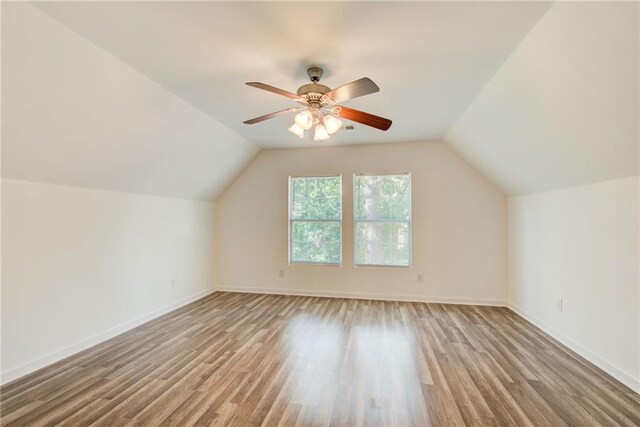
(55, 356)
(369, 296)
(623, 377)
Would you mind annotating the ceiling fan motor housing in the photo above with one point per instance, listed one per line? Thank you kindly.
(313, 92)
(313, 88)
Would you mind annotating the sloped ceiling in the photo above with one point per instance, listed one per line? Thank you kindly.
(430, 59)
(563, 110)
(148, 97)
(73, 114)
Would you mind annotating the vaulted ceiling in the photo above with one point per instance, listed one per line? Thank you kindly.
(149, 97)
(74, 115)
(563, 110)
(429, 59)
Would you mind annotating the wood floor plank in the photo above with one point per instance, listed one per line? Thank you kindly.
(273, 360)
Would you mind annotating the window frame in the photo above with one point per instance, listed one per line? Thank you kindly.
(291, 220)
(409, 222)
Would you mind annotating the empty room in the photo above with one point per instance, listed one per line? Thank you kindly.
(320, 213)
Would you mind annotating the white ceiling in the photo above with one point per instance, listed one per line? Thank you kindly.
(73, 114)
(430, 59)
(563, 110)
(149, 97)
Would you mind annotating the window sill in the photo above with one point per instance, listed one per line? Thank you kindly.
(383, 267)
(314, 264)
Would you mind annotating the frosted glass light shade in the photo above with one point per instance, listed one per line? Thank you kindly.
(296, 130)
(321, 133)
(332, 124)
(304, 119)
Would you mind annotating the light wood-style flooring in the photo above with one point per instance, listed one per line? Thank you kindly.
(250, 360)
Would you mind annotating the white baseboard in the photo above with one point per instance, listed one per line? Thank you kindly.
(623, 377)
(369, 296)
(57, 355)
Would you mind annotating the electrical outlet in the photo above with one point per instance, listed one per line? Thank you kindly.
(559, 304)
(173, 283)
(281, 273)
(420, 278)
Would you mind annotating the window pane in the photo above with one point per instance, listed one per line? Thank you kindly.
(382, 197)
(316, 198)
(316, 219)
(382, 212)
(382, 243)
(315, 242)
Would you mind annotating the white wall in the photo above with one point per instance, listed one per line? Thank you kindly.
(582, 245)
(79, 266)
(459, 227)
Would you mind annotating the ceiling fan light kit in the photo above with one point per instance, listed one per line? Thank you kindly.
(325, 124)
(320, 112)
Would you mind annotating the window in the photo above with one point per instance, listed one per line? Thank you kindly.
(315, 220)
(382, 220)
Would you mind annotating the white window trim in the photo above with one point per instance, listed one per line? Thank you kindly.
(409, 222)
(340, 221)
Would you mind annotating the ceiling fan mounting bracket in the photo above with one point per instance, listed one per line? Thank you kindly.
(315, 73)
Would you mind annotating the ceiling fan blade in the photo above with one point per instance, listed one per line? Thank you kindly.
(273, 89)
(364, 118)
(270, 116)
(361, 87)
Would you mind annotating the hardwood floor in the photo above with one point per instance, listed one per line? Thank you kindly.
(246, 359)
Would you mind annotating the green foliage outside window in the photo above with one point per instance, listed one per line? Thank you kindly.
(316, 219)
(382, 214)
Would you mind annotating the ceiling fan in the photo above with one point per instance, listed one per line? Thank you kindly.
(319, 108)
